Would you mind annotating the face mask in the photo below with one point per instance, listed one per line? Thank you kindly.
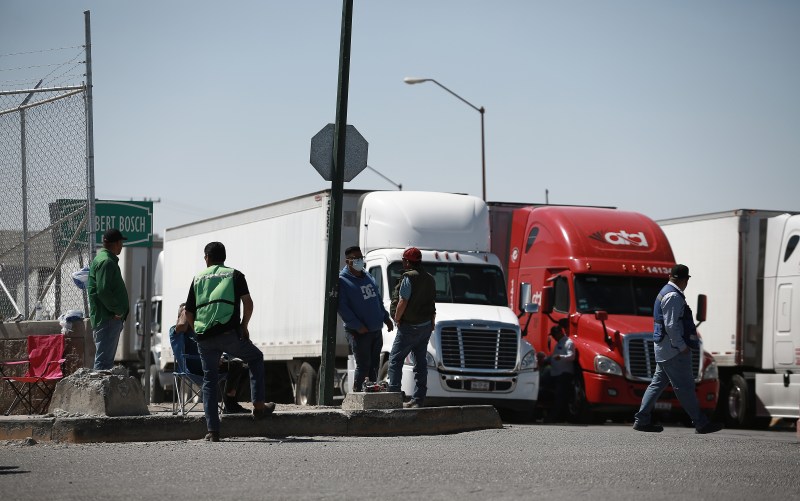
(358, 264)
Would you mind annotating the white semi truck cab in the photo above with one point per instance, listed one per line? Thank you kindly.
(476, 354)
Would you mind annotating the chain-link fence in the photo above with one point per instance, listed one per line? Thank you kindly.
(43, 209)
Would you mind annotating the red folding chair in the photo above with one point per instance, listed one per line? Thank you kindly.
(44, 369)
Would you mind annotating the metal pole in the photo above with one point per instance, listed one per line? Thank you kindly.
(483, 156)
(24, 162)
(481, 110)
(327, 368)
(90, 223)
(399, 186)
(146, 328)
(25, 251)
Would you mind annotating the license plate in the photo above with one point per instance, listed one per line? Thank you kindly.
(663, 406)
(480, 386)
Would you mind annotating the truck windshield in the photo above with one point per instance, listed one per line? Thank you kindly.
(617, 295)
(461, 283)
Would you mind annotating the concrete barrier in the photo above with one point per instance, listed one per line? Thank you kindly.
(323, 422)
(359, 401)
(88, 393)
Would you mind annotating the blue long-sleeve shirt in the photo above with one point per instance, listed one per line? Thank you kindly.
(672, 305)
(360, 302)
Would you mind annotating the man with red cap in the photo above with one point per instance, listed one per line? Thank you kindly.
(414, 310)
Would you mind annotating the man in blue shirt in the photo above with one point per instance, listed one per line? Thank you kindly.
(361, 309)
(673, 356)
(560, 375)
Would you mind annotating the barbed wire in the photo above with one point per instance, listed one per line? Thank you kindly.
(42, 51)
(62, 71)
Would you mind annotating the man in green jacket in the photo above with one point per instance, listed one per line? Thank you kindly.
(108, 299)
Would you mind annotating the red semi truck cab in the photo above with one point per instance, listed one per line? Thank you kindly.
(597, 271)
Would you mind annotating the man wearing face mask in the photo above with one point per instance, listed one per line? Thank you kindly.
(361, 309)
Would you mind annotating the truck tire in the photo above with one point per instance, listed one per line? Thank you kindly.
(156, 390)
(383, 372)
(579, 410)
(307, 383)
(738, 402)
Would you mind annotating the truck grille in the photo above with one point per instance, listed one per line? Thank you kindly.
(640, 358)
(479, 349)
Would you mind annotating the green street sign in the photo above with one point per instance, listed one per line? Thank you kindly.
(133, 219)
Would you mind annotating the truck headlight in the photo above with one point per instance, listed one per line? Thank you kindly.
(429, 360)
(528, 362)
(711, 371)
(604, 365)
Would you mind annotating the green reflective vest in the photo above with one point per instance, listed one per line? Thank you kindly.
(214, 295)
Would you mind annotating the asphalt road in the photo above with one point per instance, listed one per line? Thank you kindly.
(517, 462)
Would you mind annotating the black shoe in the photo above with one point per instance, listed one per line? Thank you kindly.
(709, 428)
(650, 428)
(233, 407)
(269, 407)
(212, 436)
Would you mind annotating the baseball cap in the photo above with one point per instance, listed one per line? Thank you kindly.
(680, 271)
(412, 254)
(113, 235)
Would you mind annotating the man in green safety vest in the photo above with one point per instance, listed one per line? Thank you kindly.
(213, 308)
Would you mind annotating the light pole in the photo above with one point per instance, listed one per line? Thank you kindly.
(481, 110)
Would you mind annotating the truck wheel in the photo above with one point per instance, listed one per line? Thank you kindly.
(383, 373)
(156, 390)
(579, 409)
(306, 393)
(738, 402)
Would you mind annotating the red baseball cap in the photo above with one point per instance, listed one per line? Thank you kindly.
(412, 254)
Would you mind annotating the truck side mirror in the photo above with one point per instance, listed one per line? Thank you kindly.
(546, 303)
(702, 301)
(524, 296)
(601, 316)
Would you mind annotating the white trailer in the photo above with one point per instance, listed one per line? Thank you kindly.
(282, 248)
(134, 267)
(748, 264)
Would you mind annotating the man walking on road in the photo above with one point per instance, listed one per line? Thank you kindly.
(361, 309)
(561, 374)
(212, 307)
(674, 334)
(415, 316)
(108, 299)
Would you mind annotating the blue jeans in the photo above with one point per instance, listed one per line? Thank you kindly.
(211, 350)
(678, 372)
(367, 352)
(410, 339)
(106, 339)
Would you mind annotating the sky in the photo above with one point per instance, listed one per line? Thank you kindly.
(668, 108)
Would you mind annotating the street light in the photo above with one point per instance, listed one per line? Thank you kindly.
(481, 110)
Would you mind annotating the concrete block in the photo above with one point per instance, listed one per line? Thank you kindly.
(93, 394)
(359, 401)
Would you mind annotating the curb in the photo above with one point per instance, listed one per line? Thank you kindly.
(166, 427)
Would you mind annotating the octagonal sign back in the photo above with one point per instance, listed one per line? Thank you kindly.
(355, 152)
